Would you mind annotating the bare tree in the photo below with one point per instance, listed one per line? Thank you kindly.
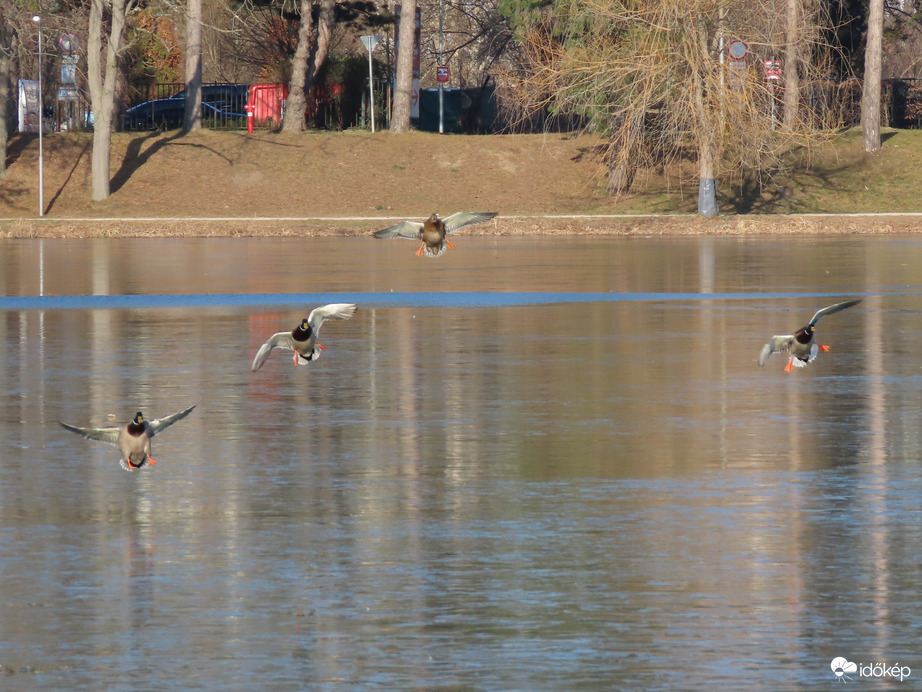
(704, 120)
(325, 22)
(477, 41)
(102, 75)
(192, 113)
(310, 52)
(650, 76)
(6, 61)
(870, 95)
(297, 97)
(793, 29)
(400, 118)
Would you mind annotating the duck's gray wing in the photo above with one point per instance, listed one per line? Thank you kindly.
(776, 344)
(404, 229)
(281, 340)
(333, 311)
(831, 309)
(155, 426)
(460, 219)
(109, 435)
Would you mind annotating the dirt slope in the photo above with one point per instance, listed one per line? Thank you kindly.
(351, 174)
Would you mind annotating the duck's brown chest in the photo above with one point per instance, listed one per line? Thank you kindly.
(433, 233)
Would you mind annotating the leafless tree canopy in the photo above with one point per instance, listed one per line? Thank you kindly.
(656, 75)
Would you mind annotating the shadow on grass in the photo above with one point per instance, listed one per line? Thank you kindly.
(135, 159)
(70, 175)
(786, 194)
(16, 145)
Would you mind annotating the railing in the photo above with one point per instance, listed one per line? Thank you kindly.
(223, 106)
(331, 106)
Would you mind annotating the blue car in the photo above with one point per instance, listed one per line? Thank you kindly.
(167, 114)
(230, 98)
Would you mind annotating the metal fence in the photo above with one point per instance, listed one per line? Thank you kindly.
(224, 105)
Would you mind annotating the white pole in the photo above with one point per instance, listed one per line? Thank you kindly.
(41, 123)
(441, 83)
(370, 42)
(371, 92)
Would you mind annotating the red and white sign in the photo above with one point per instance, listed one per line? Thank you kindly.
(441, 73)
(773, 70)
(737, 50)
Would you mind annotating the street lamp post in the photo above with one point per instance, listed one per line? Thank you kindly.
(441, 83)
(41, 122)
(370, 43)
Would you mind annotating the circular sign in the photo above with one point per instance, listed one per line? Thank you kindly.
(737, 50)
(69, 43)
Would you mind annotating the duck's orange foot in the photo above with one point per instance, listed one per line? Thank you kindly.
(150, 460)
(321, 347)
(419, 253)
(451, 245)
(790, 365)
(823, 348)
(296, 359)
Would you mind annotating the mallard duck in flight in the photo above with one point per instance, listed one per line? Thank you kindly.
(431, 233)
(303, 338)
(133, 438)
(800, 344)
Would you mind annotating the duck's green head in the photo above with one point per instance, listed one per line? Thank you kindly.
(304, 325)
(138, 418)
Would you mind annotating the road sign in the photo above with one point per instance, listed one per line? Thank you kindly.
(441, 73)
(69, 43)
(773, 70)
(68, 92)
(737, 50)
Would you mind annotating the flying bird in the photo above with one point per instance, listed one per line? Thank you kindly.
(303, 338)
(132, 438)
(800, 344)
(431, 233)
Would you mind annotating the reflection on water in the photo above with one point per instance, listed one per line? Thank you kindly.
(534, 463)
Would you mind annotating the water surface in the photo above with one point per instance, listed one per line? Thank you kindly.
(533, 463)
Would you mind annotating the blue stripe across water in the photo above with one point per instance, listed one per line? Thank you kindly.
(406, 299)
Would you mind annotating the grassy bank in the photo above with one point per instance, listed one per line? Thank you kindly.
(275, 184)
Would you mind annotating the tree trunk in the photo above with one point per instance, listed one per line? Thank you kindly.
(324, 33)
(707, 183)
(400, 118)
(102, 83)
(325, 22)
(704, 131)
(297, 98)
(5, 85)
(192, 113)
(870, 96)
(621, 166)
(793, 28)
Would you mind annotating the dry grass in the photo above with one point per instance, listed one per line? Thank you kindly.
(174, 182)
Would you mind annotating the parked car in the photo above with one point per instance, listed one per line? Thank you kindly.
(225, 97)
(167, 114)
